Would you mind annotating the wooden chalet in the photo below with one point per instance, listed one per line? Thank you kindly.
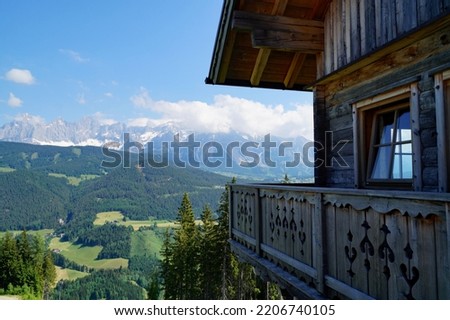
(376, 225)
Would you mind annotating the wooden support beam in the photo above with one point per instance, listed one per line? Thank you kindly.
(260, 65)
(294, 69)
(299, 58)
(251, 21)
(288, 41)
(264, 54)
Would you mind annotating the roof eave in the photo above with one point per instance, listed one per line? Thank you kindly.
(221, 37)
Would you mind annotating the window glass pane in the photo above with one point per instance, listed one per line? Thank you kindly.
(404, 126)
(405, 148)
(402, 168)
(381, 165)
(386, 125)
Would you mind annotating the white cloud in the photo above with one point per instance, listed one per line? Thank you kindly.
(75, 56)
(230, 113)
(108, 94)
(103, 119)
(13, 101)
(22, 76)
(144, 122)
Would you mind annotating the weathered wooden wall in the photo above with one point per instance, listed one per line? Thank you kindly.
(354, 28)
(345, 243)
(415, 63)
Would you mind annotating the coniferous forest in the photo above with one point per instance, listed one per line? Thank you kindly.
(167, 238)
(26, 266)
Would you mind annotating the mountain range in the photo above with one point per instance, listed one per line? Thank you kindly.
(258, 157)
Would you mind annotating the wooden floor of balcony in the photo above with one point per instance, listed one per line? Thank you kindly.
(323, 243)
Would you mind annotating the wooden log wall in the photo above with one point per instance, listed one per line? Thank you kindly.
(354, 28)
(416, 63)
(349, 243)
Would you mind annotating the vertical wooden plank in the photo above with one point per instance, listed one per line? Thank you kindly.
(277, 221)
(318, 228)
(427, 286)
(285, 245)
(355, 30)
(445, 292)
(443, 255)
(258, 221)
(399, 16)
(319, 133)
(356, 221)
(273, 213)
(308, 228)
(385, 22)
(378, 23)
(337, 34)
(327, 43)
(392, 7)
(397, 241)
(362, 23)
(331, 38)
(383, 258)
(409, 12)
(416, 143)
(343, 236)
(442, 135)
(377, 279)
(331, 241)
(291, 237)
(356, 148)
(424, 11)
(370, 25)
(231, 211)
(346, 16)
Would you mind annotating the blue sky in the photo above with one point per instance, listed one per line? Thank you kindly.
(135, 61)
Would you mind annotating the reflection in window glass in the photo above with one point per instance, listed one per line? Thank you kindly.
(392, 147)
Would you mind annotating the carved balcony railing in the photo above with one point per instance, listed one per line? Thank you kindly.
(341, 243)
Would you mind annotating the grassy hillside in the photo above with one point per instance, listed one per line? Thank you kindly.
(86, 255)
(45, 186)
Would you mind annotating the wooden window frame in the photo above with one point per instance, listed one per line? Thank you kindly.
(442, 93)
(364, 114)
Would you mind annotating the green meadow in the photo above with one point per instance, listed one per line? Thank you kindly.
(84, 255)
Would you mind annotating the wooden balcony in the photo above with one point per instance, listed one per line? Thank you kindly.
(341, 243)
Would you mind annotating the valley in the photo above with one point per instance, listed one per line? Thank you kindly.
(94, 219)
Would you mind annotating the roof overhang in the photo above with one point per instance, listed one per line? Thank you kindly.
(269, 44)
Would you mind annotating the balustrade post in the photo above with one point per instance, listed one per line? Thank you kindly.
(319, 242)
(230, 211)
(258, 222)
(447, 220)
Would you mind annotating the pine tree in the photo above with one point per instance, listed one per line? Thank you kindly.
(10, 262)
(210, 257)
(180, 264)
(167, 269)
(49, 273)
(154, 289)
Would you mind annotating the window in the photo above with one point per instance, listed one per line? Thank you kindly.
(384, 143)
(390, 154)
